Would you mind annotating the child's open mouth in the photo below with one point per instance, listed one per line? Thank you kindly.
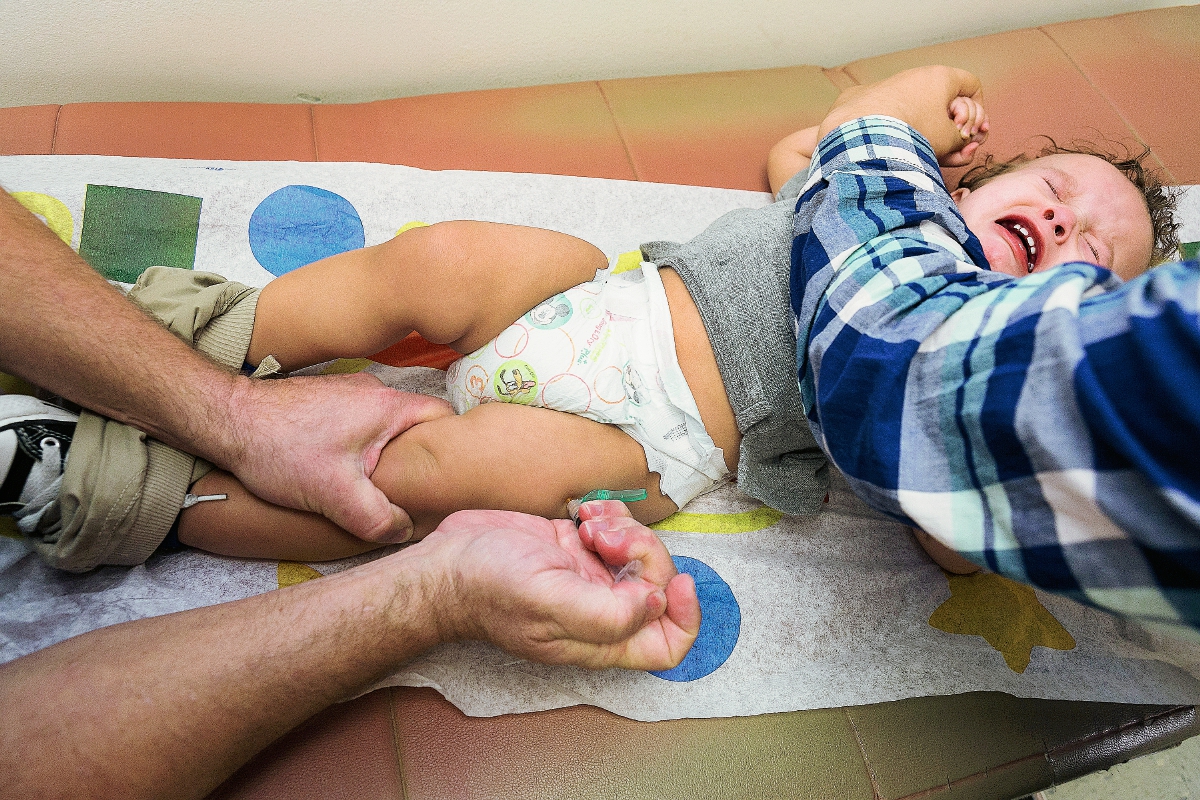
(1023, 239)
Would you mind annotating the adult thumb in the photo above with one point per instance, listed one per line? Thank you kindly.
(366, 512)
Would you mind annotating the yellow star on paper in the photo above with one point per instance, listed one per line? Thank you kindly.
(8, 527)
(291, 572)
(346, 366)
(1006, 614)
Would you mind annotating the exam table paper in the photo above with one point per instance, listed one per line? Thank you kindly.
(837, 609)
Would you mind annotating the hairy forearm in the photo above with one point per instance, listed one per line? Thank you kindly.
(173, 705)
(68, 331)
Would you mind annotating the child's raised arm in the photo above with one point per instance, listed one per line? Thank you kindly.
(793, 153)
(925, 98)
(790, 155)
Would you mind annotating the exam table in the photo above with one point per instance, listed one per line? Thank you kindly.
(1129, 78)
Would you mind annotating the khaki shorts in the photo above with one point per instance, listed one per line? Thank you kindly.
(121, 489)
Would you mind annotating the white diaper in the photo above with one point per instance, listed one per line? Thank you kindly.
(603, 350)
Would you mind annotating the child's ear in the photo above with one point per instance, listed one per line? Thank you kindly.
(959, 194)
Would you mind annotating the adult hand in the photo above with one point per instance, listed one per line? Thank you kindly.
(922, 98)
(541, 589)
(312, 444)
(305, 443)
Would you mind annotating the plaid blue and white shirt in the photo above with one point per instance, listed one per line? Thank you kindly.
(1047, 428)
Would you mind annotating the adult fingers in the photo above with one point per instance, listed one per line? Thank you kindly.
(400, 411)
(663, 642)
(596, 509)
(352, 502)
(412, 409)
(608, 615)
(365, 511)
(683, 605)
(619, 540)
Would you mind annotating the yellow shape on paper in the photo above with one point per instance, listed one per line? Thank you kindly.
(11, 384)
(408, 226)
(628, 261)
(1005, 613)
(346, 366)
(54, 211)
(8, 527)
(744, 522)
(291, 572)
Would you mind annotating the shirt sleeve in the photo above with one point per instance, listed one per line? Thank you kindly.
(1047, 428)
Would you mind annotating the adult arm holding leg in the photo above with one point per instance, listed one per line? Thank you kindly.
(171, 706)
(309, 444)
(1040, 427)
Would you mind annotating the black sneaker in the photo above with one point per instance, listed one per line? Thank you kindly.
(34, 440)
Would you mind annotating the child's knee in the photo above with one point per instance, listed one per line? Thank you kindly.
(417, 474)
(436, 250)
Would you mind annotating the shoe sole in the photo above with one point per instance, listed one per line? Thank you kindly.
(18, 408)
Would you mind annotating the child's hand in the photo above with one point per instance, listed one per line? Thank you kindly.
(968, 115)
(972, 122)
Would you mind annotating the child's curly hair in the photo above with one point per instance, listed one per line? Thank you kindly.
(1160, 198)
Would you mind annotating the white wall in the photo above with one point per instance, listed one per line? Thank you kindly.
(59, 51)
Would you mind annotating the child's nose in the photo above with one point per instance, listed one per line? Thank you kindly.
(1062, 221)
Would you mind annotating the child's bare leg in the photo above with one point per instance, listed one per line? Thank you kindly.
(501, 456)
(458, 283)
(248, 527)
(516, 458)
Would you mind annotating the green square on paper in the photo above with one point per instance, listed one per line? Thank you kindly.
(1191, 250)
(127, 230)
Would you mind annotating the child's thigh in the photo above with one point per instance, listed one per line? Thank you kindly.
(482, 276)
(458, 283)
(513, 457)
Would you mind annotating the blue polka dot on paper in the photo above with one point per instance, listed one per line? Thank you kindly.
(298, 225)
(720, 624)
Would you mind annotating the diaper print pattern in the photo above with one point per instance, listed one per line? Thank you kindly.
(635, 386)
(516, 382)
(550, 314)
(547, 358)
(591, 351)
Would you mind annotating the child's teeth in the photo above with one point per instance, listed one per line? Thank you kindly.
(1029, 240)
